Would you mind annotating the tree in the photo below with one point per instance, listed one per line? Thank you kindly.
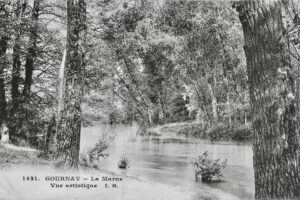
(32, 49)
(19, 28)
(4, 38)
(69, 119)
(272, 96)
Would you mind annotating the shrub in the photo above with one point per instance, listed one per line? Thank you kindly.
(218, 131)
(90, 157)
(242, 133)
(59, 163)
(209, 170)
(222, 131)
(124, 162)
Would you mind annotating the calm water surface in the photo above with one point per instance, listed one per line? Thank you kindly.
(167, 160)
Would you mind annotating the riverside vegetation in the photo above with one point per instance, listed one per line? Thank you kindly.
(211, 69)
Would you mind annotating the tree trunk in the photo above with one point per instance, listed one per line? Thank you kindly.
(4, 38)
(3, 104)
(32, 50)
(69, 119)
(60, 89)
(50, 139)
(19, 9)
(49, 145)
(15, 74)
(235, 119)
(160, 106)
(214, 104)
(228, 109)
(272, 97)
(150, 116)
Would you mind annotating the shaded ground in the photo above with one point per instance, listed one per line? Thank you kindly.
(12, 156)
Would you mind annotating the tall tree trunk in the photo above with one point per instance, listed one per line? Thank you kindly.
(161, 113)
(272, 97)
(228, 109)
(15, 74)
(245, 110)
(214, 104)
(225, 74)
(60, 89)
(19, 9)
(69, 120)
(50, 139)
(3, 104)
(150, 116)
(4, 38)
(32, 50)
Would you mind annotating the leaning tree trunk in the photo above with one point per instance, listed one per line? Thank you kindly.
(69, 120)
(272, 97)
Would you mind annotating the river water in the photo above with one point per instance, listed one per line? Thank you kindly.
(167, 159)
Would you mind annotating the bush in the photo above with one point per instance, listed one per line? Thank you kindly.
(222, 131)
(242, 133)
(209, 170)
(91, 157)
(124, 162)
(219, 131)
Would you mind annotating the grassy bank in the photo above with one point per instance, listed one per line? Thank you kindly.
(241, 133)
(13, 156)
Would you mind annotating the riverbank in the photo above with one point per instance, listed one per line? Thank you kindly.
(218, 132)
(17, 163)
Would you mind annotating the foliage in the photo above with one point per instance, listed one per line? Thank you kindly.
(209, 170)
(91, 156)
(151, 62)
(242, 133)
(217, 132)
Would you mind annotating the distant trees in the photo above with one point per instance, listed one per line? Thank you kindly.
(186, 53)
(273, 95)
(142, 66)
(69, 119)
(210, 64)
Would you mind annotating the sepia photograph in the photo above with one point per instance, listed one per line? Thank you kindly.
(149, 99)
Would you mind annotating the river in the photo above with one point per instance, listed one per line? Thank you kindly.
(167, 159)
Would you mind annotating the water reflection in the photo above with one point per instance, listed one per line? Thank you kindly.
(166, 159)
